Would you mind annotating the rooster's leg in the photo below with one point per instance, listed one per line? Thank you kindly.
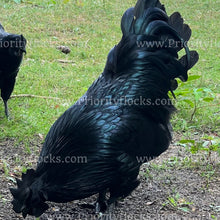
(99, 206)
(109, 212)
(6, 108)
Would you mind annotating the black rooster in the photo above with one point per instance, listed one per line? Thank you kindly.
(12, 47)
(124, 116)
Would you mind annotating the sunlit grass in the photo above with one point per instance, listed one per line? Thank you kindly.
(91, 29)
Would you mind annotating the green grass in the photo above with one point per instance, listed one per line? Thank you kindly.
(91, 29)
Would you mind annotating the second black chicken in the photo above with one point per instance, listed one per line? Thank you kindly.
(12, 47)
(124, 116)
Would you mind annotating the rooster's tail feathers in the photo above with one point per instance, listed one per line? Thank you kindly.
(142, 5)
(150, 18)
(176, 22)
(135, 23)
(145, 23)
(193, 59)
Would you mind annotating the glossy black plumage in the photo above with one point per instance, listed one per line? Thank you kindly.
(123, 117)
(12, 47)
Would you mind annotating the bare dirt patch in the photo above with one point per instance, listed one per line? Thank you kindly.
(171, 187)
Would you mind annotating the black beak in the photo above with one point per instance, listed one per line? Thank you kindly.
(23, 50)
(23, 40)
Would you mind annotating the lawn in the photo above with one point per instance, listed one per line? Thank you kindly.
(91, 29)
(50, 81)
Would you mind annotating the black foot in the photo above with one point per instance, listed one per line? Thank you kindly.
(101, 206)
(98, 206)
(108, 214)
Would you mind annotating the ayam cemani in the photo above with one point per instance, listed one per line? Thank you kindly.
(112, 136)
